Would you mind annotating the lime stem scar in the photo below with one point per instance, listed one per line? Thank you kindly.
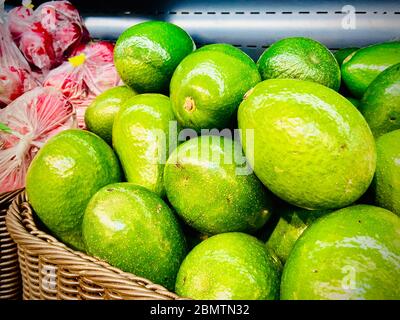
(189, 104)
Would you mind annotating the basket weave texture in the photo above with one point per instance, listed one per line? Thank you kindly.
(50, 270)
(10, 277)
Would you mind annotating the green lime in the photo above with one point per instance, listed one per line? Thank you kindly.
(64, 175)
(229, 266)
(141, 139)
(211, 189)
(147, 54)
(292, 223)
(209, 84)
(380, 105)
(99, 116)
(350, 254)
(133, 229)
(386, 183)
(300, 58)
(361, 67)
(302, 141)
(342, 54)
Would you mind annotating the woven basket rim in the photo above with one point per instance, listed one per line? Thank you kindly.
(23, 230)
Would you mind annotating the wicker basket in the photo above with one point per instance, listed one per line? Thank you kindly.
(50, 270)
(10, 277)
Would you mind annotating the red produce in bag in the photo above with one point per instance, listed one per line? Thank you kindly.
(25, 125)
(85, 75)
(48, 34)
(15, 74)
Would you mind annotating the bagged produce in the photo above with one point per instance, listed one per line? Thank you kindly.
(25, 125)
(15, 74)
(85, 75)
(48, 34)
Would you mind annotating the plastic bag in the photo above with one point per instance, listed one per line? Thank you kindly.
(48, 34)
(15, 74)
(87, 74)
(25, 125)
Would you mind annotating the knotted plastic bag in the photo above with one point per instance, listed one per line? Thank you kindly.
(15, 74)
(48, 34)
(25, 125)
(85, 75)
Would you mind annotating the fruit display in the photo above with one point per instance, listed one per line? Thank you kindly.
(201, 169)
(27, 123)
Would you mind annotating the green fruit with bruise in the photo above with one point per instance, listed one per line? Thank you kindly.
(229, 266)
(350, 254)
(306, 137)
(212, 190)
(133, 229)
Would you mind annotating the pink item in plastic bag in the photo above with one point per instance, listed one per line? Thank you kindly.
(20, 19)
(48, 34)
(15, 74)
(87, 74)
(27, 123)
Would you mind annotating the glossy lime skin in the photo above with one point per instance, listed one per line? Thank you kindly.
(306, 140)
(64, 175)
(300, 58)
(386, 183)
(364, 65)
(204, 184)
(131, 228)
(292, 223)
(380, 105)
(350, 254)
(341, 54)
(229, 266)
(209, 84)
(141, 139)
(99, 116)
(147, 54)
